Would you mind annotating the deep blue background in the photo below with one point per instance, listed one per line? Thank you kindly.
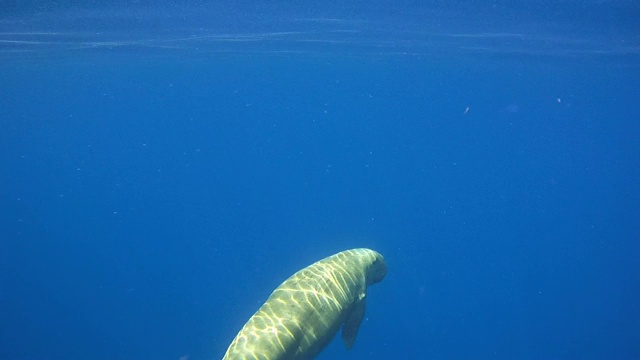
(154, 190)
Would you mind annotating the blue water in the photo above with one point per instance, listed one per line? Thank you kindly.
(163, 167)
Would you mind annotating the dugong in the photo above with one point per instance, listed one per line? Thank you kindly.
(304, 313)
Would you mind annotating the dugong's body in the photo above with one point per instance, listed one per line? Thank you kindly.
(304, 313)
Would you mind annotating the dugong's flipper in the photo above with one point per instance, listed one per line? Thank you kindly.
(304, 313)
(352, 323)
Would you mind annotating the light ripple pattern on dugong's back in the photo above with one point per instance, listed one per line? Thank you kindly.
(304, 313)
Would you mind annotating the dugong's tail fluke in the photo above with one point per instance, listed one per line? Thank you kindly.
(304, 313)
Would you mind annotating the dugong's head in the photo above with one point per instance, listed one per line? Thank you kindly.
(377, 268)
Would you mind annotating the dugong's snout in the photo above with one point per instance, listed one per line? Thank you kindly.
(377, 270)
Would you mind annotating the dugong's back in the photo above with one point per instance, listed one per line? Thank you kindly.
(304, 313)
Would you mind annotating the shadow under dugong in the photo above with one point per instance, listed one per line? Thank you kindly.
(305, 312)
